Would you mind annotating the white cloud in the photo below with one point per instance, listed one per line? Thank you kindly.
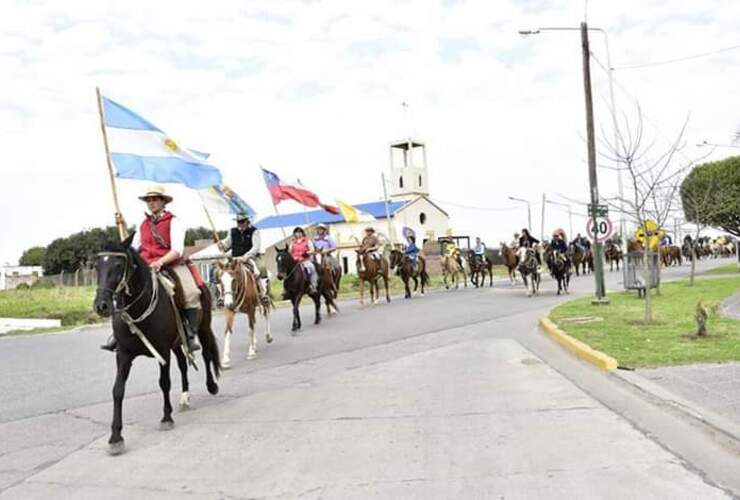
(313, 90)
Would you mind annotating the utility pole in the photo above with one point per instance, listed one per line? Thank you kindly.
(592, 180)
(542, 222)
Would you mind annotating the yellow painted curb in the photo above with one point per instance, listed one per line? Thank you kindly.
(580, 349)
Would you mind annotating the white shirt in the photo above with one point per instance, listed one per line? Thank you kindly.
(177, 237)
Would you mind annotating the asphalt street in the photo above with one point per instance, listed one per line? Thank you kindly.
(452, 395)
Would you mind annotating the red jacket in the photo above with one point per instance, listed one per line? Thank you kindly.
(155, 245)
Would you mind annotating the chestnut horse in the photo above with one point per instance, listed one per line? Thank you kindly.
(479, 267)
(370, 269)
(511, 261)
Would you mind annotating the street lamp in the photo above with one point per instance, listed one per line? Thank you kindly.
(529, 211)
(707, 143)
(570, 214)
(591, 146)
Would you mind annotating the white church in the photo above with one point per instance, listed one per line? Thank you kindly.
(408, 206)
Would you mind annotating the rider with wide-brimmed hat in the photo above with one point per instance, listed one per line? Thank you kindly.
(160, 241)
(325, 246)
(244, 242)
(370, 244)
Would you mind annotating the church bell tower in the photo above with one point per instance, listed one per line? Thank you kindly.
(408, 169)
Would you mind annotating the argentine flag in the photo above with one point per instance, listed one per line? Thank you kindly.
(139, 150)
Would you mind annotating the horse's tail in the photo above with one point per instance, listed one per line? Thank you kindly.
(424, 277)
(207, 338)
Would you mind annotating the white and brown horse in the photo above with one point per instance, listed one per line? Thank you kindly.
(529, 269)
(241, 295)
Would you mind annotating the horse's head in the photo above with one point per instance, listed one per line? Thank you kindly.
(115, 266)
(226, 276)
(284, 261)
(396, 257)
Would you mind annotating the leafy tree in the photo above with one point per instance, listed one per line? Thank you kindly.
(200, 233)
(715, 185)
(34, 256)
(77, 250)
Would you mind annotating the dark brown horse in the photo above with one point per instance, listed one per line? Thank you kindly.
(130, 292)
(613, 254)
(560, 268)
(511, 261)
(370, 270)
(329, 279)
(242, 296)
(479, 268)
(295, 286)
(408, 271)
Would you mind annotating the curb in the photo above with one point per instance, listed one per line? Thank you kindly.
(580, 349)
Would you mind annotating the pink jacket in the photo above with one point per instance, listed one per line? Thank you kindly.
(299, 249)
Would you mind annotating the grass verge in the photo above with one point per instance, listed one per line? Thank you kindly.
(71, 305)
(619, 330)
(726, 269)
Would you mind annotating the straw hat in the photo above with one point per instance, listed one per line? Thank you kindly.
(322, 226)
(156, 191)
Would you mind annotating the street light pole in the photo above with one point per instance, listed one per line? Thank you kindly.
(613, 110)
(529, 211)
(592, 179)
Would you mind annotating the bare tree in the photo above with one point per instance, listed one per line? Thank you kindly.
(653, 177)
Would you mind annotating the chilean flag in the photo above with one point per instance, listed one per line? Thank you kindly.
(281, 191)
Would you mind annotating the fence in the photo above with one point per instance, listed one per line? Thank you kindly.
(81, 277)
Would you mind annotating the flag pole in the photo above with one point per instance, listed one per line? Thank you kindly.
(122, 231)
(216, 239)
(387, 209)
(282, 229)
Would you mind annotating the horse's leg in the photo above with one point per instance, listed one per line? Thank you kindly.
(317, 303)
(296, 313)
(386, 279)
(164, 384)
(362, 291)
(226, 358)
(123, 364)
(251, 315)
(268, 328)
(182, 364)
(407, 295)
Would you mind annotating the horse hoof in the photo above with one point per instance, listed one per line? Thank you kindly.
(116, 448)
(251, 356)
(212, 388)
(268, 339)
(185, 401)
(225, 364)
(167, 425)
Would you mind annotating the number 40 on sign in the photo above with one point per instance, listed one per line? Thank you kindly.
(602, 226)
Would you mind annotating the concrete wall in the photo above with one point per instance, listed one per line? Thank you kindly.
(12, 276)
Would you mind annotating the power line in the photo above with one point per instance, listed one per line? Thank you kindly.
(677, 59)
(485, 209)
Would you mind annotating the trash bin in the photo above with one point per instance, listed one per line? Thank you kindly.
(634, 273)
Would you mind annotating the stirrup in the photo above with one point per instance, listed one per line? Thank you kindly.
(111, 345)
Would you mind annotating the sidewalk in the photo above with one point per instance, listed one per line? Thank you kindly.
(712, 386)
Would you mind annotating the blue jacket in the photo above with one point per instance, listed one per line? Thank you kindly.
(411, 250)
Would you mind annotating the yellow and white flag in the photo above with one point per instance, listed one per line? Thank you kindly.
(353, 214)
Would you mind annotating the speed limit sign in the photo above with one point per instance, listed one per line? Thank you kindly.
(602, 225)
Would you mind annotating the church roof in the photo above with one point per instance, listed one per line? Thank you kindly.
(375, 208)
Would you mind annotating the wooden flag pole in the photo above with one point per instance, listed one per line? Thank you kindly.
(216, 239)
(122, 231)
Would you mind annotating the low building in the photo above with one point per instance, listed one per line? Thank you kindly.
(12, 276)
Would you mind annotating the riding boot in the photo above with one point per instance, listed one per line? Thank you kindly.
(110, 345)
(191, 325)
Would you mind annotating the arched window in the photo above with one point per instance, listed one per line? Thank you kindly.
(419, 181)
(422, 218)
(400, 182)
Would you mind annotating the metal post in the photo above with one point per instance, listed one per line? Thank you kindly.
(387, 208)
(542, 222)
(593, 181)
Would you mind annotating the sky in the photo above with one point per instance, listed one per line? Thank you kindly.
(313, 90)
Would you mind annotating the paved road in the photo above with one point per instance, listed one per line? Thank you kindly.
(452, 395)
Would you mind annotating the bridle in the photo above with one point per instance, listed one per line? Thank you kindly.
(123, 287)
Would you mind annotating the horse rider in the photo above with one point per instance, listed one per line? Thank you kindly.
(515, 242)
(453, 251)
(325, 245)
(301, 248)
(480, 250)
(244, 242)
(412, 251)
(558, 244)
(160, 241)
(582, 242)
(526, 240)
(370, 245)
